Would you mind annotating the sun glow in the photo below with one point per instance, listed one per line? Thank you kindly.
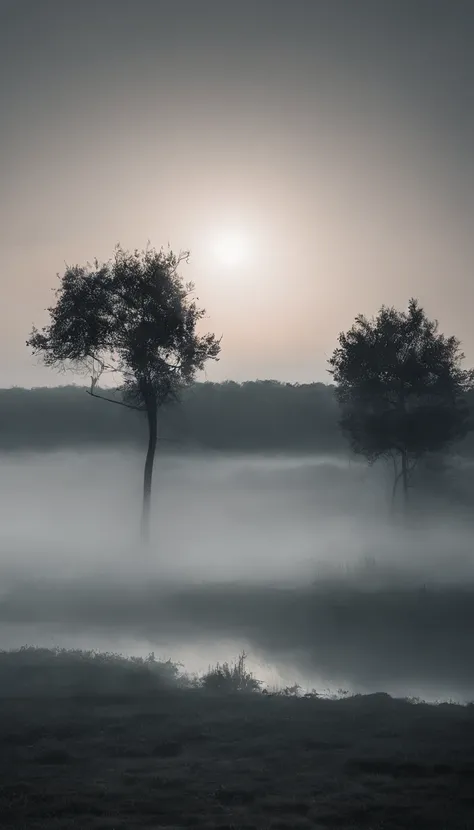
(232, 248)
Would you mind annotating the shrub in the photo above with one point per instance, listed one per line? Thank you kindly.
(227, 678)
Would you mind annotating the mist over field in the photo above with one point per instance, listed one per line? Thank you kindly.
(296, 559)
(237, 415)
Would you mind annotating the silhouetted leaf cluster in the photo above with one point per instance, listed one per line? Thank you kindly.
(132, 316)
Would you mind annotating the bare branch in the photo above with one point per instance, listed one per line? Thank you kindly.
(119, 403)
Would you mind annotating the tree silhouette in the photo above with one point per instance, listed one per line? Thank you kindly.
(400, 388)
(135, 318)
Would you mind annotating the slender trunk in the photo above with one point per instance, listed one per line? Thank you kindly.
(396, 479)
(394, 490)
(152, 417)
(405, 478)
(404, 456)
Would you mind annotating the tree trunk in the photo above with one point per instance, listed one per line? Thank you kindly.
(405, 479)
(152, 417)
(396, 479)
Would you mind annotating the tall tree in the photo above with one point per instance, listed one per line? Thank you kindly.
(401, 388)
(133, 317)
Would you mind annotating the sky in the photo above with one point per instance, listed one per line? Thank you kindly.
(315, 156)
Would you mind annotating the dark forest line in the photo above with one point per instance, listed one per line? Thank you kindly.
(252, 416)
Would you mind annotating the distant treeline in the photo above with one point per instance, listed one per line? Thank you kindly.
(252, 416)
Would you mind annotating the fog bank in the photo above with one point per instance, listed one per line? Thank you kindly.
(296, 560)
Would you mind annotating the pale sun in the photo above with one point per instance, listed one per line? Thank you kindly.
(232, 248)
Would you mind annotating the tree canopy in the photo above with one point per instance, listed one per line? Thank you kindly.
(132, 316)
(401, 387)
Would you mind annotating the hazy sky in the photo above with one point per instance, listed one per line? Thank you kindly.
(331, 140)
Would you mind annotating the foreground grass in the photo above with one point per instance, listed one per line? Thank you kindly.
(99, 742)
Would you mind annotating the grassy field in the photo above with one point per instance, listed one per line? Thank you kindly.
(104, 743)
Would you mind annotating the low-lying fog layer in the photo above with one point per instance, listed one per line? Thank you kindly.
(295, 559)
